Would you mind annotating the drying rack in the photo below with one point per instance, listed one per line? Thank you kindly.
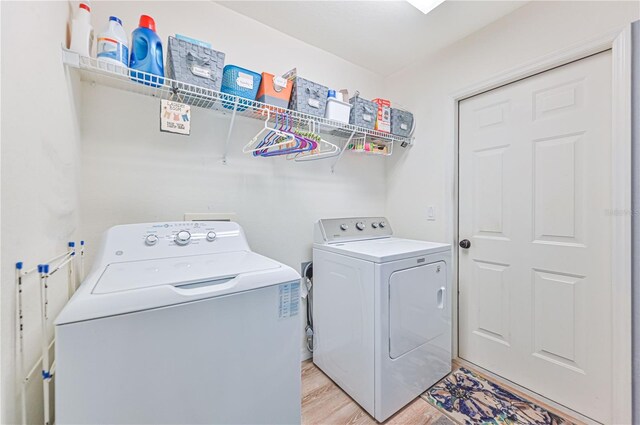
(44, 271)
(110, 75)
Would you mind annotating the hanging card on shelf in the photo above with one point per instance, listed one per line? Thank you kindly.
(175, 117)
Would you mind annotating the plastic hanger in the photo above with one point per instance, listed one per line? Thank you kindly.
(317, 153)
(272, 132)
(303, 144)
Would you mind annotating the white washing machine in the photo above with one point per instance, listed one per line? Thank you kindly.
(180, 323)
(381, 312)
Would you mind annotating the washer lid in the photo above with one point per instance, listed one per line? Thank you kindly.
(135, 286)
(383, 250)
(179, 271)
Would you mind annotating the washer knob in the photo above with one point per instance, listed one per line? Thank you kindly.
(344, 227)
(383, 224)
(151, 240)
(374, 225)
(183, 237)
(360, 225)
(211, 236)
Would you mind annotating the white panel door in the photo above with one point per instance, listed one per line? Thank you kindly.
(535, 283)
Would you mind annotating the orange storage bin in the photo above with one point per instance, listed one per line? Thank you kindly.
(274, 90)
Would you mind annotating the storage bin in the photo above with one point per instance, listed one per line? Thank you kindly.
(308, 97)
(363, 112)
(194, 64)
(239, 82)
(401, 122)
(272, 91)
(337, 110)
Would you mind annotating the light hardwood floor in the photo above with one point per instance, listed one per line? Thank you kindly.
(324, 403)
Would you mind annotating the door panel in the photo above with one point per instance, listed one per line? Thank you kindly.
(534, 186)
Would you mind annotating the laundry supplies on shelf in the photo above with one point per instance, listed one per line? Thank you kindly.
(113, 46)
(401, 122)
(373, 148)
(146, 53)
(82, 31)
(363, 112)
(308, 97)
(383, 117)
(274, 90)
(239, 82)
(193, 63)
(337, 109)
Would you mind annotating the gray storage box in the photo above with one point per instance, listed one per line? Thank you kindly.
(401, 122)
(193, 64)
(308, 97)
(363, 112)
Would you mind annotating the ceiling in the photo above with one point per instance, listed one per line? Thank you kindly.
(382, 36)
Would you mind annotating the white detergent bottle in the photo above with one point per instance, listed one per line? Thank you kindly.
(112, 44)
(82, 31)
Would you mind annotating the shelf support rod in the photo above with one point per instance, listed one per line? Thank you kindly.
(344, 148)
(231, 123)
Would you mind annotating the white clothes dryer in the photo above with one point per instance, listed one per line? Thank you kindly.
(381, 312)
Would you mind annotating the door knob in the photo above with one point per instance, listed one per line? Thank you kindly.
(465, 243)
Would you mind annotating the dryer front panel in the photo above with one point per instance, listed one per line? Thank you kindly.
(417, 298)
(413, 329)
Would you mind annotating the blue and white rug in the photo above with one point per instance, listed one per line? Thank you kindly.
(470, 399)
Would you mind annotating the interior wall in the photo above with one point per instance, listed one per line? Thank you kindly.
(131, 172)
(418, 179)
(39, 164)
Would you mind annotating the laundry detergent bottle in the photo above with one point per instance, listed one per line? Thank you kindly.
(146, 54)
(112, 44)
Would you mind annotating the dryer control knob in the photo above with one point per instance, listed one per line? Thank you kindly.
(211, 236)
(360, 225)
(374, 225)
(383, 224)
(151, 240)
(344, 227)
(183, 237)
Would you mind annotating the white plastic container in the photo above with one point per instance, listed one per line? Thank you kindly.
(113, 46)
(337, 110)
(82, 31)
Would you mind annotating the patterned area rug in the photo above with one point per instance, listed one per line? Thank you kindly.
(470, 399)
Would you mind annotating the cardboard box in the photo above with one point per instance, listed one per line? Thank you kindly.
(383, 120)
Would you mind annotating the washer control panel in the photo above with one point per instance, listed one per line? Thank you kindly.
(179, 234)
(350, 229)
(146, 241)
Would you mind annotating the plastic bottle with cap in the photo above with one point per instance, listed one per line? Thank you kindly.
(113, 46)
(146, 53)
(82, 31)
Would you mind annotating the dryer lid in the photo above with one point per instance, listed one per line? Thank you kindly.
(179, 271)
(383, 250)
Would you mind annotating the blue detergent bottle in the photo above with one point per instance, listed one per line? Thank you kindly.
(146, 54)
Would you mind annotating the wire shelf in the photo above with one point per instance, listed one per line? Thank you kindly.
(120, 77)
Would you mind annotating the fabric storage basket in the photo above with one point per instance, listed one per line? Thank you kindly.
(308, 97)
(401, 122)
(274, 90)
(194, 64)
(239, 82)
(363, 112)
